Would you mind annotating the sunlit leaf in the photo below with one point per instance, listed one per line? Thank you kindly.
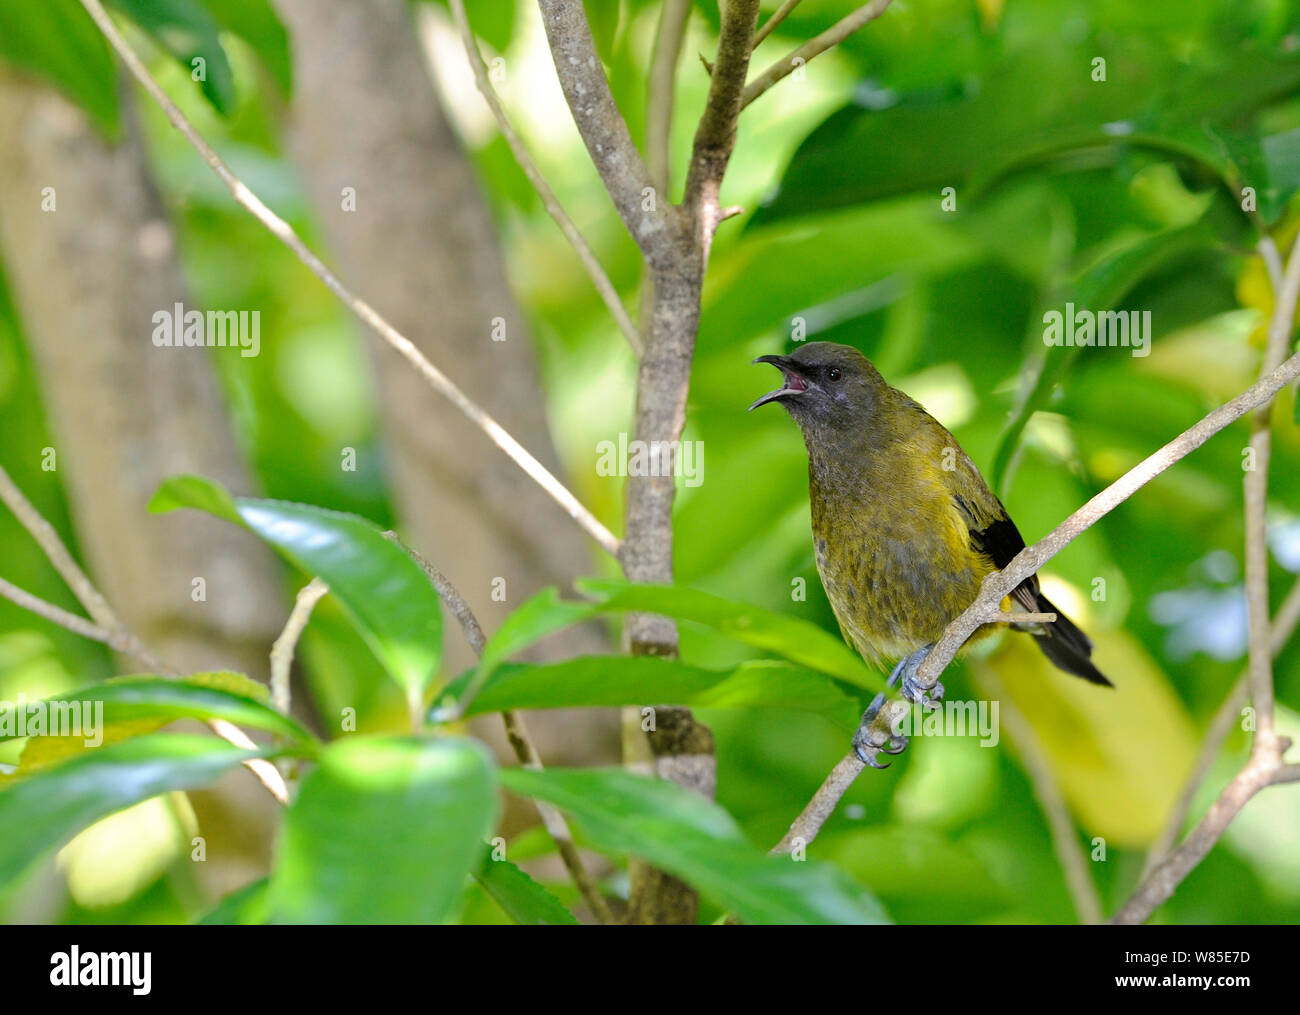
(384, 830)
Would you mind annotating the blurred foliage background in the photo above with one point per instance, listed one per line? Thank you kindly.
(1120, 193)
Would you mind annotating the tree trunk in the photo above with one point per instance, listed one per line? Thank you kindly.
(87, 278)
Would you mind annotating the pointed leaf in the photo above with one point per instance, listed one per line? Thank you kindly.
(46, 808)
(698, 841)
(384, 592)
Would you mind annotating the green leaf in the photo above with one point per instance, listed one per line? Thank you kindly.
(256, 23)
(187, 31)
(385, 593)
(603, 16)
(56, 40)
(44, 809)
(698, 841)
(546, 613)
(522, 898)
(599, 681)
(978, 131)
(243, 907)
(384, 830)
(797, 640)
(1098, 287)
(492, 21)
(229, 696)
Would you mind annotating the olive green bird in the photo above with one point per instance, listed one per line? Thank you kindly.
(904, 527)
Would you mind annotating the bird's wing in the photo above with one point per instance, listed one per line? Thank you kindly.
(994, 534)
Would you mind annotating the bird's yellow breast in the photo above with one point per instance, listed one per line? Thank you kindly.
(893, 551)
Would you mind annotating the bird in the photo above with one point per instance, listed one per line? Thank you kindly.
(904, 526)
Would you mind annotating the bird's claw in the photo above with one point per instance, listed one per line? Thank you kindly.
(868, 742)
(917, 693)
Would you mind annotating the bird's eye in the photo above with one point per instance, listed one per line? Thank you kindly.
(833, 374)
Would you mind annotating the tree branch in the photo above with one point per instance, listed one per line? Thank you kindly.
(715, 137)
(108, 628)
(1266, 765)
(1047, 791)
(828, 39)
(284, 232)
(998, 585)
(603, 130)
(1263, 769)
(1255, 488)
(661, 90)
(1223, 723)
(520, 742)
(777, 17)
(608, 294)
(283, 648)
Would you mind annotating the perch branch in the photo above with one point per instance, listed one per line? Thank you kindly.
(998, 585)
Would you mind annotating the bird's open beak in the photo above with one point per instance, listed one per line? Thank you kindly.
(793, 381)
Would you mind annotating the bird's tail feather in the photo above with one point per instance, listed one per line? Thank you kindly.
(1066, 646)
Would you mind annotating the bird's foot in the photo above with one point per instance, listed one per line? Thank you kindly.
(875, 735)
(928, 696)
(867, 746)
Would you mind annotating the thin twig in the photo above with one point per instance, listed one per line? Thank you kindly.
(819, 44)
(1266, 765)
(1261, 770)
(284, 232)
(608, 294)
(604, 131)
(777, 17)
(520, 742)
(58, 615)
(661, 91)
(283, 648)
(122, 640)
(1047, 791)
(1225, 720)
(1281, 327)
(47, 538)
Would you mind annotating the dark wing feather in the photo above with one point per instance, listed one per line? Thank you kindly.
(1064, 644)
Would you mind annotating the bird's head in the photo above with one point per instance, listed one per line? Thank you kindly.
(826, 386)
